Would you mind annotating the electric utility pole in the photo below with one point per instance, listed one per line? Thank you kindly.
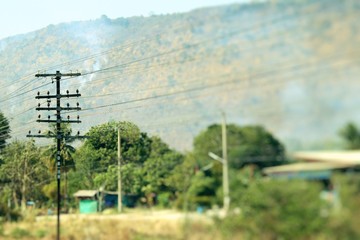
(119, 172)
(59, 135)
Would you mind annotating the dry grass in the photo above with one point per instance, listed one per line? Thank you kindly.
(129, 226)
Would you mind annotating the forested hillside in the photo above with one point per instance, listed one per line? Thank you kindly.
(291, 66)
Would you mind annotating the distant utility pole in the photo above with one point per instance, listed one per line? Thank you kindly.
(119, 172)
(224, 161)
(225, 165)
(59, 135)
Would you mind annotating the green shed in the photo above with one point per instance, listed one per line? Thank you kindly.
(88, 206)
(88, 201)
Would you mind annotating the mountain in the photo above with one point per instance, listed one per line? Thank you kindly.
(291, 66)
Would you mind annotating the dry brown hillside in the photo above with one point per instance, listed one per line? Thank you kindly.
(291, 66)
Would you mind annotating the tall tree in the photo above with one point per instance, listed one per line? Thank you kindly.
(146, 162)
(66, 149)
(96, 159)
(193, 185)
(22, 170)
(249, 145)
(246, 145)
(351, 134)
(158, 166)
(4, 130)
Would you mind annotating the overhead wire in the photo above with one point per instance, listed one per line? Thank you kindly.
(201, 87)
(104, 52)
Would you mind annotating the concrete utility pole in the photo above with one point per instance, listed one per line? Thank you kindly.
(119, 172)
(225, 165)
(224, 162)
(59, 135)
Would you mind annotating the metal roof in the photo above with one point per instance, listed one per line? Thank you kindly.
(339, 157)
(306, 166)
(85, 193)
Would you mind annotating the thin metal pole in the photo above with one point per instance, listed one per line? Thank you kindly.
(225, 166)
(58, 153)
(119, 172)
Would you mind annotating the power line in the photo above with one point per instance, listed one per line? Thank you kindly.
(138, 106)
(107, 51)
(262, 74)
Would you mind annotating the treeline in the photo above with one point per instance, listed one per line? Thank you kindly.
(150, 169)
(162, 177)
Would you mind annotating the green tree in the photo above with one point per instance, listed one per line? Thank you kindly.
(135, 145)
(158, 166)
(23, 170)
(96, 159)
(249, 145)
(5, 210)
(146, 162)
(351, 134)
(66, 149)
(193, 186)
(246, 145)
(4, 130)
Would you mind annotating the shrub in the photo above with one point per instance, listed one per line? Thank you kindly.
(164, 199)
(273, 209)
(41, 233)
(344, 222)
(20, 233)
(9, 214)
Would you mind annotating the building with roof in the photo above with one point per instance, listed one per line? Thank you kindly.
(88, 200)
(92, 201)
(315, 164)
(318, 166)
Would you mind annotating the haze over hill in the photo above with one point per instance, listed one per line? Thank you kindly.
(292, 67)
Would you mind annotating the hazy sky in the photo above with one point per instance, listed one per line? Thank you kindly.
(22, 16)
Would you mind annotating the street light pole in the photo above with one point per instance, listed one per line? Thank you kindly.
(224, 161)
(225, 165)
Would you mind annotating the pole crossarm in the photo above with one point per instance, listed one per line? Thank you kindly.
(55, 108)
(57, 74)
(76, 137)
(58, 96)
(55, 136)
(40, 136)
(59, 121)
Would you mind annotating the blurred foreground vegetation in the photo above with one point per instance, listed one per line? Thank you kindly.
(282, 209)
(264, 209)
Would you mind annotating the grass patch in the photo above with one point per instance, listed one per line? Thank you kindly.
(41, 233)
(19, 233)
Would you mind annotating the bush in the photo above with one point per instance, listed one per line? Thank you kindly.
(344, 222)
(9, 214)
(41, 233)
(273, 209)
(20, 233)
(164, 199)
